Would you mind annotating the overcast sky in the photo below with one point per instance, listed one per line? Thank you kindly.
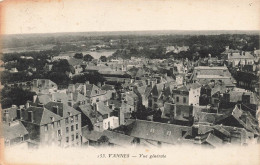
(48, 16)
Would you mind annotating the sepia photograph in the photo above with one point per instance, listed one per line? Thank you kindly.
(130, 82)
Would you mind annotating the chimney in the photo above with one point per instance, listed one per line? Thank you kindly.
(72, 88)
(226, 97)
(71, 96)
(18, 113)
(39, 105)
(27, 105)
(121, 117)
(95, 107)
(172, 112)
(191, 114)
(30, 116)
(34, 98)
(53, 97)
(84, 89)
(245, 99)
(87, 82)
(6, 116)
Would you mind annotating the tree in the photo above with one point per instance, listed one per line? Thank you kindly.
(103, 58)
(16, 96)
(61, 66)
(78, 55)
(61, 79)
(92, 77)
(88, 58)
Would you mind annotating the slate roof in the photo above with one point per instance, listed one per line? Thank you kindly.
(118, 138)
(16, 129)
(103, 109)
(41, 115)
(167, 133)
(91, 135)
(243, 55)
(236, 96)
(91, 90)
(116, 103)
(75, 61)
(65, 109)
(87, 110)
(44, 99)
(107, 87)
(213, 140)
(245, 119)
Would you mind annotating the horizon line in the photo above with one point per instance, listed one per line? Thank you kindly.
(234, 30)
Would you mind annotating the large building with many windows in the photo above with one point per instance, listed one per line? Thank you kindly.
(54, 123)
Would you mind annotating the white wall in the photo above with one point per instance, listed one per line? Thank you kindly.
(114, 122)
(194, 96)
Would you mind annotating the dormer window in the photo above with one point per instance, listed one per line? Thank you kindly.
(152, 130)
(69, 113)
(168, 133)
(46, 127)
(52, 119)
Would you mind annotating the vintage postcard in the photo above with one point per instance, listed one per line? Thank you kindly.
(129, 82)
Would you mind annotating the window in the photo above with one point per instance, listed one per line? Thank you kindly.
(67, 120)
(46, 127)
(71, 119)
(72, 137)
(67, 129)
(177, 99)
(58, 123)
(59, 132)
(77, 127)
(72, 128)
(76, 118)
(77, 135)
(184, 100)
(183, 133)
(52, 125)
(67, 139)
